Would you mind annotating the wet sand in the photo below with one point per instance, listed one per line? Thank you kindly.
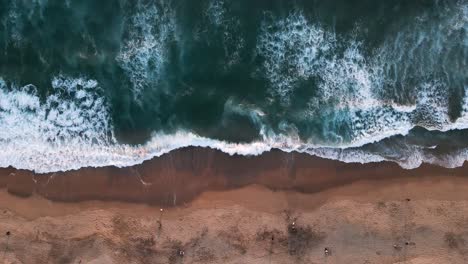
(274, 208)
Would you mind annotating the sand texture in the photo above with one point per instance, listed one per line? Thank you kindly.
(281, 208)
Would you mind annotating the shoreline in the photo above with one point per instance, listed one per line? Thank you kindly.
(202, 206)
(181, 175)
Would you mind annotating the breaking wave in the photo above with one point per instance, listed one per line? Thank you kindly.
(326, 93)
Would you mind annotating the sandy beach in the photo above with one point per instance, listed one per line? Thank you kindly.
(216, 208)
(233, 132)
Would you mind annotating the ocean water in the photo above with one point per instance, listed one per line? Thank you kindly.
(87, 83)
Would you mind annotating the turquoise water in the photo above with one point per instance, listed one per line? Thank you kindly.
(96, 83)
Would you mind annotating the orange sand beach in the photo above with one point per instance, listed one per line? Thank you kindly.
(197, 205)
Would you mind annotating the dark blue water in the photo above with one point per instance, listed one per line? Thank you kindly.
(95, 83)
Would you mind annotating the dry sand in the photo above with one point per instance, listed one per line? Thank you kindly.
(307, 211)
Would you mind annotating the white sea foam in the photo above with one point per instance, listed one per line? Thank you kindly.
(228, 25)
(253, 113)
(36, 134)
(31, 141)
(292, 49)
(363, 94)
(72, 127)
(145, 50)
(295, 50)
(419, 66)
